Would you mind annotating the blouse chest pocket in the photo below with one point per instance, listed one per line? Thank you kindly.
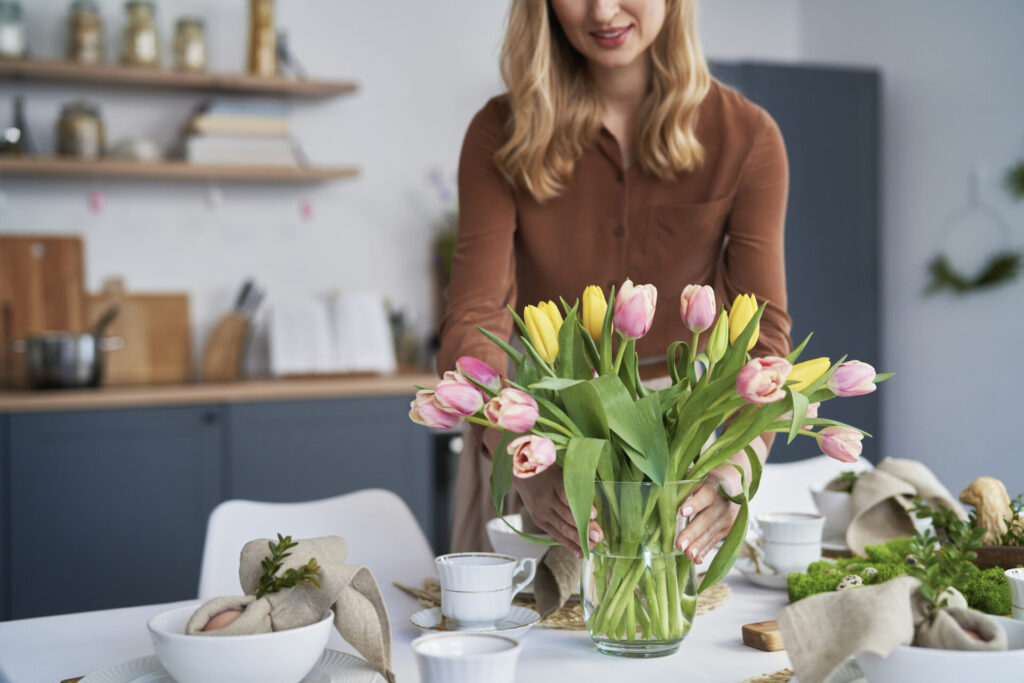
(699, 226)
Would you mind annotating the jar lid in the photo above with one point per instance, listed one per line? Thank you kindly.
(89, 6)
(190, 21)
(80, 107)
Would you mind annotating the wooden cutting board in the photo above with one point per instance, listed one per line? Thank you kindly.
(42, 289)
(157, 338)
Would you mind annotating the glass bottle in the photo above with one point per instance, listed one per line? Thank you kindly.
(262, 38)
(12, 30)
(140, 44)
(189, 45)
(80, 131)
(87, 43)
(15, 139)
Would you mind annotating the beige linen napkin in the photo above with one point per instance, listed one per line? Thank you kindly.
(360, 615)
(882, 497)
(823, 631)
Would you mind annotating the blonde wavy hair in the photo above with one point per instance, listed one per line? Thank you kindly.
(556, 114)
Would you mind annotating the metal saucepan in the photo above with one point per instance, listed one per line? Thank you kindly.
(63, 360)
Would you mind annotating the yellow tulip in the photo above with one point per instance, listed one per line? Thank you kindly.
(551, 311)
(808, 372)
(595, 307)
(542, 330)
(743, 309)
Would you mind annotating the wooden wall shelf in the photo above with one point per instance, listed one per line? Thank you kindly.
(170, 170)
(112, 74)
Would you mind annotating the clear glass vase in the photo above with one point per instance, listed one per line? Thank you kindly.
(639, 593)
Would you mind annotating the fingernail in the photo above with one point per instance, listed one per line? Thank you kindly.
(687, 511)
(593, 513)
(683, 544)
(595, 536)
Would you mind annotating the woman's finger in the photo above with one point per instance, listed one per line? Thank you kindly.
(564, 499)
(595, 533)
(702, 498)
(716, 531)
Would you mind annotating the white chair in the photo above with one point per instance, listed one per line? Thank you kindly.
(380, 529)
(786, 486)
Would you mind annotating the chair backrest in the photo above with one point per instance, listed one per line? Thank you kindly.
(380, 529)
(786, 487)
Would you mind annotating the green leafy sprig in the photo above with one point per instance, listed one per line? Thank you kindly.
(269, 583)
(847, 480)
(941, 566)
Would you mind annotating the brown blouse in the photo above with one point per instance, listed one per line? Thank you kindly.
(720, 225)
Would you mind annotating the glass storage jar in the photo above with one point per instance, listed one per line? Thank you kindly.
(140, 44)
(80, 132)
(262, 38)
(87, 43)
(189, 45)
(12, 30)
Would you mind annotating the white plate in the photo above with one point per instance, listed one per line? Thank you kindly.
(332, 667)
(515, 625)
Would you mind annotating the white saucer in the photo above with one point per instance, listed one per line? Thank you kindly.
(332, 667)
(835, 544)
(766, 578)
(515, 625)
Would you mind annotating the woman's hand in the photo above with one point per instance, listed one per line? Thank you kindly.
(711, 514)
(544, 496)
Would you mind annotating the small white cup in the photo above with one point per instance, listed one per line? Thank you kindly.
(466, 658)
(837, 507)
(1015, 577)
(477, 588)
(789, 540)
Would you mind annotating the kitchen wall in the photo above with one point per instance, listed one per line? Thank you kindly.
(423, 70)
(951, 102)
(951, 99)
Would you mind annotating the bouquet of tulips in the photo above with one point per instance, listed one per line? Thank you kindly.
(577, 401)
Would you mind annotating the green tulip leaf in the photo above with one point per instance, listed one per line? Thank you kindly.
(729, 551)
(756, 469)
(795, 353)
(501, 471)
(625, 369)
(882, 376)
(581, 459)
(606, 336)
(572, 360)
(555, 383)
(799, 404)
(671, 360)
(542, 367)
(516, 356)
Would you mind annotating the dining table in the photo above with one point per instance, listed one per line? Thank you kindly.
(54, 648)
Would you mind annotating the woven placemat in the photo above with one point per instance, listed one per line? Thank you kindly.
(782, 676)
(570, 616)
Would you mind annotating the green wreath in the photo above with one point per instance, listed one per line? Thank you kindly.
(1003, 266)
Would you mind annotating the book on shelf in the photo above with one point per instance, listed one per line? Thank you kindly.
(238, 125)
(276, 151)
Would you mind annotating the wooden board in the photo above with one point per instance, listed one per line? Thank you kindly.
(42, 289)
(157, 338)
(764, 635)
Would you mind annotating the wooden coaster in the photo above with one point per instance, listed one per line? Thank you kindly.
(764, 635)
(782, 676)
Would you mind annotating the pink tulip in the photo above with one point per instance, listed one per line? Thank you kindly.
(634, 309)
(852, 378)
(480, 371)
(513, 410)
(841, 443)
(426, 411)
(457, 395)
(812, 412)
(762, 379)
(531, 454)
(697, 307)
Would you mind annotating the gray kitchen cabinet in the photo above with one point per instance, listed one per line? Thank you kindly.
(108, 508)
(303, 450)
(829, 118)
(5, 527)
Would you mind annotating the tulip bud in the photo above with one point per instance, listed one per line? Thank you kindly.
(595, 307)
(457, 395)
(634, 309)
(718, 342)
(743, 309)
(762, 379)
(852, 378)
(531, 455)
(808, 372)
(697, 307)
(480, 371)
(543, 332)
(841, 443)
(426, 411)
(513, 410)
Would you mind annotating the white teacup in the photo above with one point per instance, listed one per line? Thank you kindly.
(466, 658)
(1015, 577)
(837, 508)
(789, 540)
(477, 588)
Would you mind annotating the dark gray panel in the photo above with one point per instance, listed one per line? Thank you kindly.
(5, 519)
(109, 508)
(305, 450)
(829, 118)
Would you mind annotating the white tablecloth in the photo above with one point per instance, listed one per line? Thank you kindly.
(50, 649)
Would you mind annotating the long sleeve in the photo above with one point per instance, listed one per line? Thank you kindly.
(754, 258)
(483, 267)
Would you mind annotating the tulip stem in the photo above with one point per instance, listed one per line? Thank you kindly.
(555, 425)
(619, 354)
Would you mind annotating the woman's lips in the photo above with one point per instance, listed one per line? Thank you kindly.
(611, 38)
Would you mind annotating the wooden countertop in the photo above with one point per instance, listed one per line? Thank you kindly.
(226, 392)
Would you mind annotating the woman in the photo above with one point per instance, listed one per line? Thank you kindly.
(612, 155)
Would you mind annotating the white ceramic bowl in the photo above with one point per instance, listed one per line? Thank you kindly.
(508, 542)
(907, 663)
(278, 657)
(836, 507)
(466, 658)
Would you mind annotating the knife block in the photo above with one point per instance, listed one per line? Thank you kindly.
(225, 348)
